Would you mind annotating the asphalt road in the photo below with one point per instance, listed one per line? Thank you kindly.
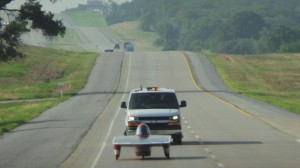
(216, 133)
(221, 128)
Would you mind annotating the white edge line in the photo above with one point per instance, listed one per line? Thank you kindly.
(220, 165)
(112, 122)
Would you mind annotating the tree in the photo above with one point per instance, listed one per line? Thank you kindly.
(244, 25)
(240, 26)
(284, 38)
(168, 36)
(28, 16)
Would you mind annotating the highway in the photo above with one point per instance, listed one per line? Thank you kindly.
(220, 128)
(216, 133)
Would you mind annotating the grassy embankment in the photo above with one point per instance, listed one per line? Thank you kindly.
(37, 77)
(272, 78)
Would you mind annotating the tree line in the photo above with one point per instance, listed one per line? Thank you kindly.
(231, 26)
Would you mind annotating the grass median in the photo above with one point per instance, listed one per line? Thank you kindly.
(42, 75)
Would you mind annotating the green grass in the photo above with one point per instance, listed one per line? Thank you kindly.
(37, 77)
(272, 78)
(14, 114)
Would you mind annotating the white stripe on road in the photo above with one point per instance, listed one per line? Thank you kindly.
(113, 120)
(220, 165)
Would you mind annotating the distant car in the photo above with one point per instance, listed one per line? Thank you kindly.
(128, 46)
(126, 43)
(108, 50)
(116, 46)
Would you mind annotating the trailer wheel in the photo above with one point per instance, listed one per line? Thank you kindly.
(177, 139)
(167, 155)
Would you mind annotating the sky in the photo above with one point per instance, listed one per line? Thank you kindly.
(57, 7)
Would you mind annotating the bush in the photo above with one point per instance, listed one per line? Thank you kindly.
(293, 47)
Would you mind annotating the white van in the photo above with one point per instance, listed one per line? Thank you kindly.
(156, 107)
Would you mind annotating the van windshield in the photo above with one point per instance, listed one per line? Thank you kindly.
(153, 101)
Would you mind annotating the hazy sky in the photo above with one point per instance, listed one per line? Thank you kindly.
(57, 7)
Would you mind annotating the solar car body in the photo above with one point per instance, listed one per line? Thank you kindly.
(142, 141)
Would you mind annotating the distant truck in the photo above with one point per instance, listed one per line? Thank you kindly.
(128, 46)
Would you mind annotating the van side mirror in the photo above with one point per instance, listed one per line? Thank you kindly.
(183, 103)
(123, 105)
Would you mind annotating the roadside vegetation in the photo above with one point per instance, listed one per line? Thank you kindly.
(272, 78)
(40, 76)
(15, 114)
